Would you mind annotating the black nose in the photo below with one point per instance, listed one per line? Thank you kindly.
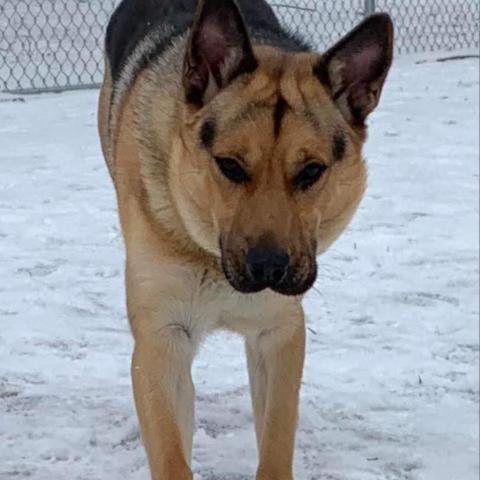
(267, 266)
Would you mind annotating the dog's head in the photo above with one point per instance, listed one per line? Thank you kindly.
(267, 166)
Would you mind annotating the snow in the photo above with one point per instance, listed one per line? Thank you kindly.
(390, 390)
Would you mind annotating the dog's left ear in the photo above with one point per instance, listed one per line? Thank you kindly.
(218, 50)
(355, 69)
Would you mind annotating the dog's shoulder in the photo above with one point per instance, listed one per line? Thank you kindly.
(134, 20)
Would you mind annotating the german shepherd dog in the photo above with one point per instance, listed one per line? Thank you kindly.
(236, 154)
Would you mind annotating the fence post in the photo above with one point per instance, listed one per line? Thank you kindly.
(369, 7)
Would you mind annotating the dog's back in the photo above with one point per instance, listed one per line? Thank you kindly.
(159, 22)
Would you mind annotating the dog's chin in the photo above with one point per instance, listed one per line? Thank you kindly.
(294, 289)
(285, 288)
(246, 288)
(241, 284)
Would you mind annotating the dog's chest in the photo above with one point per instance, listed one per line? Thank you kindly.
(201, 301)
(217, 305)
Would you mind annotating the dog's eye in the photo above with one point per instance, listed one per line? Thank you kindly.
(310, 175)
(232, 170)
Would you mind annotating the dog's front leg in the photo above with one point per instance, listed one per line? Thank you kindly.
(275, 362)
(164, 396)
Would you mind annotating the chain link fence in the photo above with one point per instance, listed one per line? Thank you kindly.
(57, 44)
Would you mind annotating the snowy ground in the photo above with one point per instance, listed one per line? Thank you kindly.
(391, 380)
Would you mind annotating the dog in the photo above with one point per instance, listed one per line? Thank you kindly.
(236, 155)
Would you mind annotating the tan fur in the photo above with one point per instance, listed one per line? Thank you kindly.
(174, 207)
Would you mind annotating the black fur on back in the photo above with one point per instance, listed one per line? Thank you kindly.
(133, 20)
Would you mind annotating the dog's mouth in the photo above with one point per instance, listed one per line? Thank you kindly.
(293, 281)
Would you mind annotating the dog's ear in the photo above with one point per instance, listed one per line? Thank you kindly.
(355, 69)
(218, 50)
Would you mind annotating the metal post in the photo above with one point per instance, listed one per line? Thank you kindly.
(369, 7)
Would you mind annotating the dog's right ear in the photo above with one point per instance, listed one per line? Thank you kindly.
(218, 50)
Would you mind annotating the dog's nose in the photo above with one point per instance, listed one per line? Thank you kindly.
(267, 266)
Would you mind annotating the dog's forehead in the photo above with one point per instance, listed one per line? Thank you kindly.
(280, 111)
(284, 85)
(282, 114)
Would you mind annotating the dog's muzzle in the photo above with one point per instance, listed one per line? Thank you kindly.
(267, 267)
(264, 267)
